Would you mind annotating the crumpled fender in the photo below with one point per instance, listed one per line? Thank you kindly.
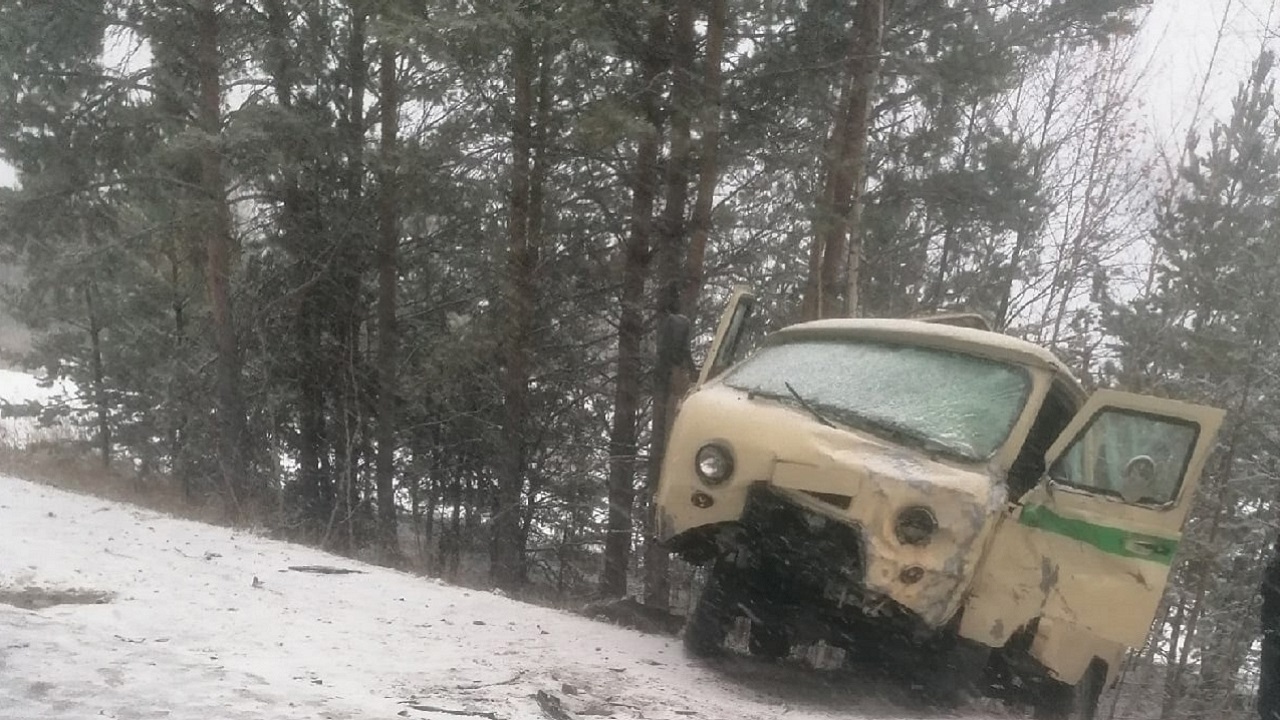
(782, 446)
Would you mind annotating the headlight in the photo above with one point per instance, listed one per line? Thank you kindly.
(714, 464)
(915, 525)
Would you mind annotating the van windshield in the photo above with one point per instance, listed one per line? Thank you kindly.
(938, 399)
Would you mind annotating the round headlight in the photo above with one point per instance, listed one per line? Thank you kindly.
(714, 464)
(915, 525)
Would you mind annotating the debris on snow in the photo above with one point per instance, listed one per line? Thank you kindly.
(324, 570)
(39, 598)
(551, 706)
(464, 713)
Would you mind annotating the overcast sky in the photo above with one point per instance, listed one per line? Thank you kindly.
(1177, 46)
(1180, 48)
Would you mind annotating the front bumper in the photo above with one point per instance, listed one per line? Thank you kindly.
(814, 541)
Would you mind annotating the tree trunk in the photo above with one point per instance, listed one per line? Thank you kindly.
(1269, 662)
(670, 277)
(626, 399)
(1174, 664)
(451, 534)
(950, 240)
(232, 426)
(700, 223)
(99, 381)
(299, 230)
(837, 233)
(316, 488)
(177, 430)
(429, 522)
(1224, 651)
(868, 42)
(389, 238)
(347, 280)
(507, 560)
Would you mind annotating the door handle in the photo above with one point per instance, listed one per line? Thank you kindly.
(1148, 547)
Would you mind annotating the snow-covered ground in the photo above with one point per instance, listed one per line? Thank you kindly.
(204, 622)
(20, 387)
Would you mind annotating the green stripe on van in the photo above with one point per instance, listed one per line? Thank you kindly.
(1113, 541)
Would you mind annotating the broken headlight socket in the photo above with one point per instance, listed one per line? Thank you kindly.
(701, 500)
(915, 525)
(714, 464)
(911, 575)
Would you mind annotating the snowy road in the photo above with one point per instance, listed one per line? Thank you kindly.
(187, 634)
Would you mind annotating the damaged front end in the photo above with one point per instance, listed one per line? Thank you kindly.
(847, 520)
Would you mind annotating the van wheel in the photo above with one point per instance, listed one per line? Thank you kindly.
(713, 617)
(955, 667)
(769, 640)
(1060, 701)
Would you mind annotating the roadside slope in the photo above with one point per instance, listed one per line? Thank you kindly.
(189, 633)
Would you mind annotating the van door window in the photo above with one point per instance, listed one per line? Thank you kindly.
(1137, 457)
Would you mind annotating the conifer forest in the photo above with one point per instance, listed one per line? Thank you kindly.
(402, 278)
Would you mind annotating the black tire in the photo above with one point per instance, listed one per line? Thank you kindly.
(769, 640)
(956, 668)
(712, 618)
(864, 646)
(1060, 701)
(765, 591)
(1000, 681)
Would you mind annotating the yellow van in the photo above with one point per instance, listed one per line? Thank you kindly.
(855, 479)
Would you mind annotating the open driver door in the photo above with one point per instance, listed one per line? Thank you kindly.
(726, 347)
(1086, 553)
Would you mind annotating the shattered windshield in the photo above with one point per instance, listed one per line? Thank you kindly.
(942, 400)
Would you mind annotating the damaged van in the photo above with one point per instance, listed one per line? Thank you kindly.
(858, 482)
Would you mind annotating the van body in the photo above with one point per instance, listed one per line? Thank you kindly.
(853, 479)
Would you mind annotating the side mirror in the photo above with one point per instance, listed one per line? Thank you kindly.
(675, 343)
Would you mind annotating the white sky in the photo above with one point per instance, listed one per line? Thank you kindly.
(1177, 49)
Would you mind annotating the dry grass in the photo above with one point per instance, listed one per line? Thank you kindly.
(74, 467)
(69, 467)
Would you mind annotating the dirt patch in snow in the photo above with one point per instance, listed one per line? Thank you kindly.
(324, 570)
(38, 598)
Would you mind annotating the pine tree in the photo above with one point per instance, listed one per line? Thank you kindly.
(1207, 331)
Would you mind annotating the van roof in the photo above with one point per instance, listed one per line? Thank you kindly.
(986, 343)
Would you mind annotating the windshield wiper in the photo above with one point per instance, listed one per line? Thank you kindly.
(805, 404)
(925, 442)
